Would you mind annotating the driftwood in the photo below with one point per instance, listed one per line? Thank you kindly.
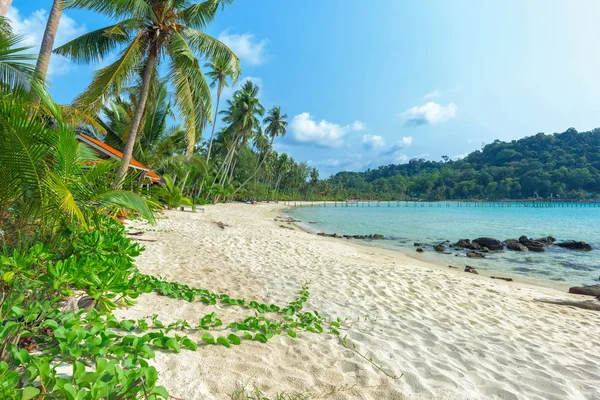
(135, 233)
(593, 305)
(286, 227)
(144, 240)
(220, 224)
(502, 278)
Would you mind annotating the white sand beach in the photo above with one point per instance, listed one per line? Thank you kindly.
(450, 334)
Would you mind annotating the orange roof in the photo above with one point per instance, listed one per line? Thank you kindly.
(99, 145)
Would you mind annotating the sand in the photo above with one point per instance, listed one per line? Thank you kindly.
(450, 334)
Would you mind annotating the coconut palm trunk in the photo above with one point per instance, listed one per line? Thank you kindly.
(212, 134)
(4, 4)
(137, 118)
(43, 61)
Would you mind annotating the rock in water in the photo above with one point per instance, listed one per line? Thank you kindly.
(532, 245)
(575, 245)
(593, 290)
(471, 270)
(474, 254)
(548, 240)
(490, 243)
(420, 250)
(515, 245)
(462, 243)
(440, 248)
(474, 246)
(417, 244)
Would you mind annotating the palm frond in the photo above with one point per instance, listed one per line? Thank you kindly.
(96, 45)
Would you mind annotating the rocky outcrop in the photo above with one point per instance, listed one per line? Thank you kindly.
(547, 241)
(515, 245)
(575, 245)
(440, 248)
(462, 243)
(474, 246)
(532, 245)
(490, 243)
(420, 250)
(593, 290)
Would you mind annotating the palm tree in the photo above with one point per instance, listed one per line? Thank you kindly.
(16, 72)
(276, 127)
(150, 31)
(242, 117)
(47, 178)
(43, 61)
(220, 71)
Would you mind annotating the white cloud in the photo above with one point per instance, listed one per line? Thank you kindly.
(373, 141)
(32, 28)
(399, 145)
(246, 46)
(431, 95)
(429, 113)
(305, 129)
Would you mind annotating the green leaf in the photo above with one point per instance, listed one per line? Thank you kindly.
(222, 340)
(261, 338)
(160, 391)
(208, 338)
(235, 339)
(8, 276)
(291, 334)
(29, 393)
(289, 311)
(187, 342)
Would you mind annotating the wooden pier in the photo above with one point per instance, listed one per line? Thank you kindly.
(448, 203)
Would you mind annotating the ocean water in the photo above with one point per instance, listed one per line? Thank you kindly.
(430, 223)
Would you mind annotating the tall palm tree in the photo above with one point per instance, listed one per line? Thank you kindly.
(276, 127)
(43, 61)
(242, 117)
(150, 31)
(220, 71)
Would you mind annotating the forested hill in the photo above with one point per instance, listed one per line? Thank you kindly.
(566, 165)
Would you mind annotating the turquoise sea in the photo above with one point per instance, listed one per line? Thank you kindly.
(430, 223)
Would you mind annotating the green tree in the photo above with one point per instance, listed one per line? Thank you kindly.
(149, 31)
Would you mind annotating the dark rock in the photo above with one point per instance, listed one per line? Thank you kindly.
(593, 305)
(471, 270)
(515, 245)
(502, 278)
(593, 290)
(377, 236)
(440, 248)
(321, 234)
(474, 254)
(420, 250)
(575, 245)
(335, 235)
(532, 245)
(417, 244)
(462, 243)
(450, 266)
(548, 240)
(490, 243)
(474, 246)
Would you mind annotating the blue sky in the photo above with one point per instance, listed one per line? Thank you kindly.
(379, 82)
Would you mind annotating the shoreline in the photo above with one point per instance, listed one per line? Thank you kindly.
(452, 335)
(562, 287)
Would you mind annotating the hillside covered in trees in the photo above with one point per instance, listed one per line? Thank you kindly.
(561, 165)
